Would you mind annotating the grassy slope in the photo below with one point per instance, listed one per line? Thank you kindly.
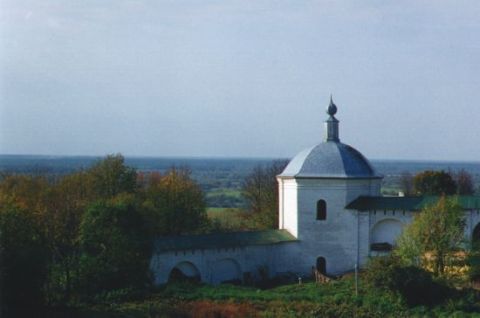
(336, 299)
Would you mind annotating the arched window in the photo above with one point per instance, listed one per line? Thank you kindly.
(321, 265)
(321, 210)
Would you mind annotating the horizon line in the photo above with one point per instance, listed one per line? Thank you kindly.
(216, 157)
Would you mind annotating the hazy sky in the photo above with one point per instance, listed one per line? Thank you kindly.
(239, 78)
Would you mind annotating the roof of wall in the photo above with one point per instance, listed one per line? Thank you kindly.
(222, 240)
(367, 203)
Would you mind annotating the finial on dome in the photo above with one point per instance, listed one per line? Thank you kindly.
(331, 124)
(332, 108)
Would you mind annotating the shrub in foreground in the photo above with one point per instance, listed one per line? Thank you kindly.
(415, 285)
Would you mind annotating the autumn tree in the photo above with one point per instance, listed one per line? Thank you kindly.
(433, 236)
(24, 192)
(434, 183)
(110, 177)
(260, 191)
(174, 203)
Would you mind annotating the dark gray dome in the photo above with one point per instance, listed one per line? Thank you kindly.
(330, 160)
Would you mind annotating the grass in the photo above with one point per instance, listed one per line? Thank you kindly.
(335, 299)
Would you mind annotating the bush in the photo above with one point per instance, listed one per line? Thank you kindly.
(415, 285)
(473, 262)
(117, 296)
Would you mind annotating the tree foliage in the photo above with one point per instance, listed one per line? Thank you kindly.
(116, 250)
(66, 238)
(260, 190)
(433, 236)
(23, 259)
(434, 183)
(174, 203)
(110, 177)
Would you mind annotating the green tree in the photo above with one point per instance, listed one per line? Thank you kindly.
(110, 177)
(434, 183)
(115, 245)
(174, 203)
(433, 236)
(23, 259)
(260, 191)
(65, 205)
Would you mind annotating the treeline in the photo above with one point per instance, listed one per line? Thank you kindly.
(436, 182)
(88, 235)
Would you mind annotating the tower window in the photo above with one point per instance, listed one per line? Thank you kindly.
(321, 210)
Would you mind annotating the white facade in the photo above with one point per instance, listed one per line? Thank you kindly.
(336, 237)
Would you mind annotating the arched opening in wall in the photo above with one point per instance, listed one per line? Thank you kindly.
(322, 265)
(384, 235)
(226, 271)
(476, 237)
(184, 271)
(321, 210)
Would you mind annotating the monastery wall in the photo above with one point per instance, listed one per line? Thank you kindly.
(222, 264)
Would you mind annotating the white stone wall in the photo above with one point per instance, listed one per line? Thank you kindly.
(288, 205)
(363, 238)
(336, 238)
(217, 265)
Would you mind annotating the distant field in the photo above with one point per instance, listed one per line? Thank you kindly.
(220, 178)
(225, 191)
(216, 212)
(227, 218)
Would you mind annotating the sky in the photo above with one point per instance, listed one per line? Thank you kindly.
(239, 78)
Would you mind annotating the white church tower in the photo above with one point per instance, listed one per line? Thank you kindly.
(314, 190)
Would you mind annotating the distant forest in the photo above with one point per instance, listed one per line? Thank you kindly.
(220, 178)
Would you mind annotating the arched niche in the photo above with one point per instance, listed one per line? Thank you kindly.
(184, 271)
(385, 233)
